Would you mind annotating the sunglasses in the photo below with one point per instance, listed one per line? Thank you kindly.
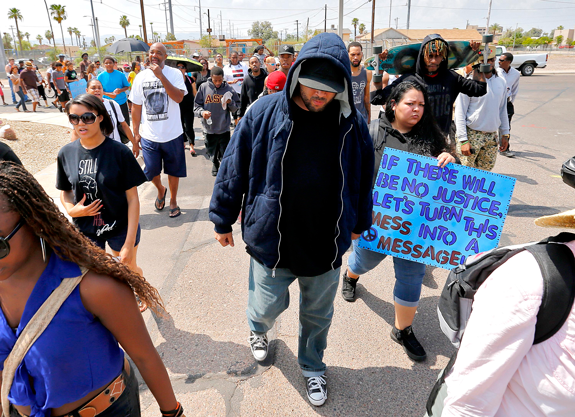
(4, 245)
(181, 67)
(87, 118)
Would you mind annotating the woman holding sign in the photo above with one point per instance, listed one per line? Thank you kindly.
(407, 126)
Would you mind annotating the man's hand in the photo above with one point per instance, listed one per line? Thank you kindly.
(466, 149)
(383, 55)
(117, 91)
(206, 114)
(225, 239)
(233, 81)
(445, 158)
(354, 236)
(136, 148)
(111, 95)
(80, 210)
(504, 143)
(156, 70)
(475, 45)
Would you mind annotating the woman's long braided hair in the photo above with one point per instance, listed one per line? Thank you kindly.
(26, 196)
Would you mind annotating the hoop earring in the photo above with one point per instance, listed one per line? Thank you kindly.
(43, 246)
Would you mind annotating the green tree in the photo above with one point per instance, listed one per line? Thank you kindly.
(560, 27)
(545, 41)
(58, 13)
(559, 40)
(263, 30)
(361, 28)
(568, 41)
(495, 28)
(354, 23)
(78, 35)
(53, 54)
(205, 41)
(27, 36)
(124, 22)
(39, 38)
(48, 35)
(170, 37)
(70, 31)
(15, 14)
(26, 46)
(534, 33)
(7, 41)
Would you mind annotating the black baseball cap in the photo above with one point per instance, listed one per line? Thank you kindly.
(320, 74)
(286, 49)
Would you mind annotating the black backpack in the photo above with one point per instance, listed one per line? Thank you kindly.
(557, 266)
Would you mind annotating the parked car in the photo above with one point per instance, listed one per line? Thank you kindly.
(525, 63)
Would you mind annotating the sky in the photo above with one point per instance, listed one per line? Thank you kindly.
(237, 15)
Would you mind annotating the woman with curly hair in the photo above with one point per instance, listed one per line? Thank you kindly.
(407, 124)
(76, 364)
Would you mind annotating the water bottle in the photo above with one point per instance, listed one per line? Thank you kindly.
(209, 121)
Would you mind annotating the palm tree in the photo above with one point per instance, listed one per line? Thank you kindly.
(560, 27)
(494, 28)
(355, 22)
(58, 13)
(39, 38)
(124, 22)
(361, 29)
(78, 35)
(48, 35)
(27, 36)
(70, 31)
(15, 14)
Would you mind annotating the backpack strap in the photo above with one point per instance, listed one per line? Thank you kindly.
(557, 266)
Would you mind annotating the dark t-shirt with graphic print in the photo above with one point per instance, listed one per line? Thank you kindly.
(104, 173)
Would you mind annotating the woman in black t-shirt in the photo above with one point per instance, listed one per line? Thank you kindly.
(98, 179)
(203, 75)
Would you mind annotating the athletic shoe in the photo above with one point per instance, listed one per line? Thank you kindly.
(410, 344)
(348, 288)
(507, 153)
(316, 387)
(258, 345)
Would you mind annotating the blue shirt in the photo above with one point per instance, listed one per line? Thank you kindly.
(112, 80)
(75, 355)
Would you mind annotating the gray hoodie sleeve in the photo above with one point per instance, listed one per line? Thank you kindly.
(199, 101)
(235, 104)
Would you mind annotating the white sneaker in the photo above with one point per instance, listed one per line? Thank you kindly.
(258, 345)
(508, 154)
(316, 387)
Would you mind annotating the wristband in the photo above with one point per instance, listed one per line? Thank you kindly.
(463, 142)
(178, 412)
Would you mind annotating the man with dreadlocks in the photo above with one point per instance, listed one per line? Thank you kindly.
(76, 366)
(443, 85)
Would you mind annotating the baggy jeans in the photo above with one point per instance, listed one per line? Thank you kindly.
(269, 297)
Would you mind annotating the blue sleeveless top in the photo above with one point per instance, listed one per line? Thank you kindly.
(75, 355)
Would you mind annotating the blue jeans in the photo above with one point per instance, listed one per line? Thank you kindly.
(408, 274)
(22, 101)
(269, 297)
(12, 90)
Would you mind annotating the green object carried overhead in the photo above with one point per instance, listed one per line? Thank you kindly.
(402, 59)
(191, 65)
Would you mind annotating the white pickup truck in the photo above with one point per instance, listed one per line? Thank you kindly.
(525, 63)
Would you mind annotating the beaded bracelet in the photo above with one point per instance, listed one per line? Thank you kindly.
(178, 412)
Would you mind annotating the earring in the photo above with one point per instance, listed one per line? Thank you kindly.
(43, 245)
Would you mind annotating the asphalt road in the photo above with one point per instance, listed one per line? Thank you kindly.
(202, 339)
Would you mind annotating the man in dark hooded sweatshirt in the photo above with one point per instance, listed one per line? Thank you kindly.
(300, 210)
(253, 85)
(443, 84)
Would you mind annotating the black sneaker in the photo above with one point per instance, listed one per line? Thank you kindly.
(316, 387)
(258, 345)
(348, 288)
(407, 339)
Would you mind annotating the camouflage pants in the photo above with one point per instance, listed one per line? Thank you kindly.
(484, 147)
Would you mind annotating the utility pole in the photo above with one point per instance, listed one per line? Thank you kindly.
(488, 16)
(2, 58)
(152, 31)
(143, 20)
(306, 29)
(340, 21)
(50, 21)
(15, 44)
(171, 19)
(165, 4)
(396, 20)
(209, 30)
(200, 19)
(141, 31)
(96, 30)
(221, 25)
(390, 2)
(408, 12)
(325, 20)
(372, 20)
(297, 30)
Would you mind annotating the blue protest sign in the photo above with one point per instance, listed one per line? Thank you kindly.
(432, 215)
(78, 87)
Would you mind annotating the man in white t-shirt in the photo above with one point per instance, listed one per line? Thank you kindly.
(234, 74)
(156, 93)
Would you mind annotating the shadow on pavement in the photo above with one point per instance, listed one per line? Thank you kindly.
(162, 218)
(522, 178)
(196, 355)
(373, 391)
(525, 210)
(531, 155)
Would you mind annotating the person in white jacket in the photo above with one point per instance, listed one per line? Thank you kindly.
(480, 120)
(499, 371)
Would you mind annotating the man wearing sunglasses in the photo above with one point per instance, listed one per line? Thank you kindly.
(156, 94)
(511, 77)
